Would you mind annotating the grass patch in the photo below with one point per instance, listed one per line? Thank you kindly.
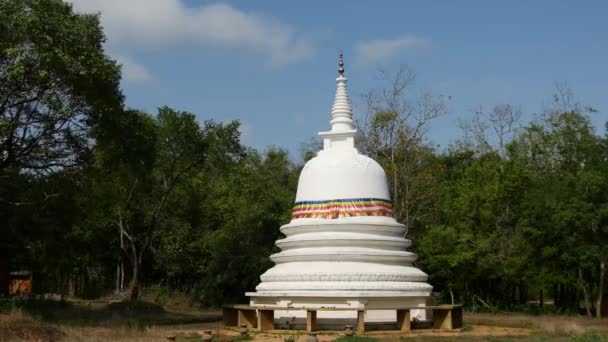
(221, 338)
(186, 338)
(506, 323)
(484, 339)
(590, 336)
(357, 339)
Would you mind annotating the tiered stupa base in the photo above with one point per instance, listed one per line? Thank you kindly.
(353, 262)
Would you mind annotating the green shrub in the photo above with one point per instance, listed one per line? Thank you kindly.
(5, 306)
(9, 304)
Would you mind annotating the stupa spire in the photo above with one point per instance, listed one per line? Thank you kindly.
(341, 111)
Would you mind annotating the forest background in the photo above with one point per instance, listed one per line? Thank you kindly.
(98, 198)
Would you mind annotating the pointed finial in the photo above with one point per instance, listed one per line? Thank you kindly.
(341, 64)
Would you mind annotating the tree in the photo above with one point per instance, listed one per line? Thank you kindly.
(174, 149)
(59, 94)
(253, 198)
(57, 87)
(476, 245)
(503, 120)
(393, 133)
(566, 202)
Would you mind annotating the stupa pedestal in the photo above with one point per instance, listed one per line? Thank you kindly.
(342, 248)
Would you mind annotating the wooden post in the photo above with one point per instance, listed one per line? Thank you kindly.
(457, 317)
(361, 321)
(230, 316)
(5, 282)
(403, 320)
(442, 319)
(311, 320)
(248, 317)
(265, 320)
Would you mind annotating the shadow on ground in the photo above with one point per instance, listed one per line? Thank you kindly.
(126, 313)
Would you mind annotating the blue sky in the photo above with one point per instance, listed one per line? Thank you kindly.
(272, 64)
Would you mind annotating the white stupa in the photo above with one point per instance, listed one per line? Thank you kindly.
(343, 248)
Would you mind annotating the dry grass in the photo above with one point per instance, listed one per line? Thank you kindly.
(15, 327)
(26, 329)
(157, 325)
(551, 325)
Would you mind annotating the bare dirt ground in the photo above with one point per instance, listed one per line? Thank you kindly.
(158, 326)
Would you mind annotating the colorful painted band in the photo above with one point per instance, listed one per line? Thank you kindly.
(337, 208)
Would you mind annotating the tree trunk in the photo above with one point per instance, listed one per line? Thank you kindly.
(134, 283)
(512, 299)
(585, 294)
(523, 294)
(122, 276)
(117, 283)
(120, 284)
(541, 300)
(135, 268)
(80, 289)
(72, 287)
(600, 290)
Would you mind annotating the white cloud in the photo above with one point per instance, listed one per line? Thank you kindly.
(133, 71)
(374, 51)
(165, 23)
(246, 130)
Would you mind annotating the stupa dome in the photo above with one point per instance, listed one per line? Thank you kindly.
(332, 175)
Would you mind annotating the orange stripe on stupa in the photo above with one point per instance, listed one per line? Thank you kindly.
(337, 208)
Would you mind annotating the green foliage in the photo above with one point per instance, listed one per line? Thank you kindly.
(57, 87)
(254, 199)
(533, 218)
(58, 93)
